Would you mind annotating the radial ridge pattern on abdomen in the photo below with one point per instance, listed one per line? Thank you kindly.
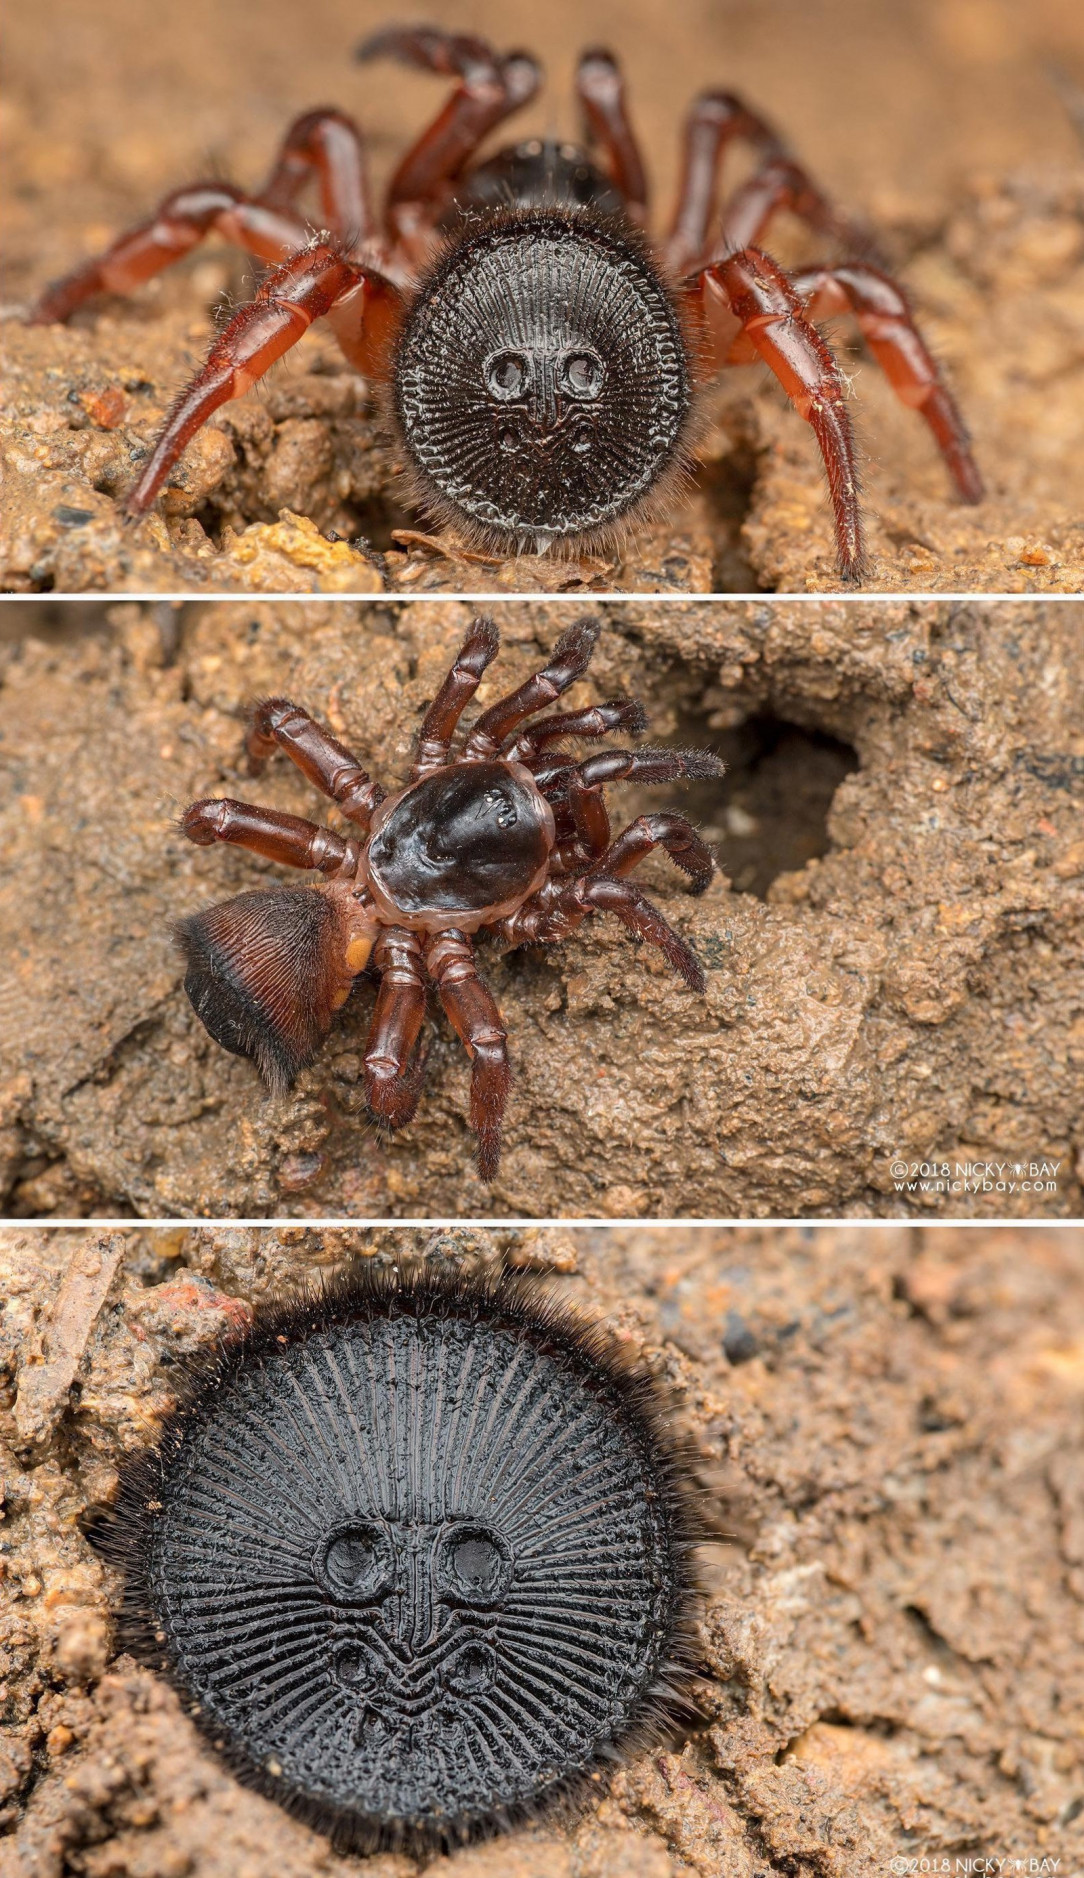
(421, 1565)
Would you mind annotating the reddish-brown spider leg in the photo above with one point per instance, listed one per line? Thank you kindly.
(328, 764)
(586, 781)
(179, 223)
(590, 819)
(327, 145)
(600, 88)
(546, 918)
(779, 183)
(595, 720)
(301, 290)
(394, 1068)
(472, 1010)
(656, 764)
(288, 839)
(671, 832)
(888, 327)
(571, 657)
(715, 119)
(492, 88)
(480, 646)
(751, 289)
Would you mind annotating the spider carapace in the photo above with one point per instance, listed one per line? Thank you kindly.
(540, 351)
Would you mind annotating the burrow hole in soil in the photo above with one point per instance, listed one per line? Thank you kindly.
(769, 814)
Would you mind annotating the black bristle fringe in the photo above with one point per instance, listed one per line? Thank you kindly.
(513, 1301)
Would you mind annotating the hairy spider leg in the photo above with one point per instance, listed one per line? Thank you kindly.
(755, 291)
(474, 1014)
(324, 144)
(395, 1059)
(595, 720)
(288, 839)
(571, 657)
(782, 183)
(439, 724)
(493, 86)
(328, 764)
(179, 223)
(888, 328)
(559, 907)
(600, 88)
(657, 764)
(715, 119)
(316, 282)
(674, 834)
(586, 781)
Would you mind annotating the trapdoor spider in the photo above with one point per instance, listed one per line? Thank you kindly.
(540, 356)
(512, 833)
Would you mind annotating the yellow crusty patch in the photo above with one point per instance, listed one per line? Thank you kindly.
(292, 556)
(357, 954)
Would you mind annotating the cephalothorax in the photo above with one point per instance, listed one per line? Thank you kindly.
(540, 354)
(511, 833)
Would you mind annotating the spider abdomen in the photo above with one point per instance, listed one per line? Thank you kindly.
(465, 840)
(541, 383)
(418, 1552)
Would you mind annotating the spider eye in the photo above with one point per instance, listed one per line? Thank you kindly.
(506, 811)
(581, 375)
(507, 375)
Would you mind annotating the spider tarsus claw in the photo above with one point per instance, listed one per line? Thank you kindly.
(485, 634)
(969, 484)
(577, 643)
(688, 967)
(702, 764)
(197, 822)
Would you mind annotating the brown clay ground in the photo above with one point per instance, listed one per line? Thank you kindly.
(893, 946)
(889, 1427)
(950, 123)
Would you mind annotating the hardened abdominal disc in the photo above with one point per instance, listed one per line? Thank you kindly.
(417, 1551)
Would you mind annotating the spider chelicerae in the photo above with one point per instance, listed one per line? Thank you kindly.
(510, 833)
(539, 354)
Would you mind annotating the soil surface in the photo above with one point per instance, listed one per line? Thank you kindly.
(954, 126)
(892, 945)
(888, 1426)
